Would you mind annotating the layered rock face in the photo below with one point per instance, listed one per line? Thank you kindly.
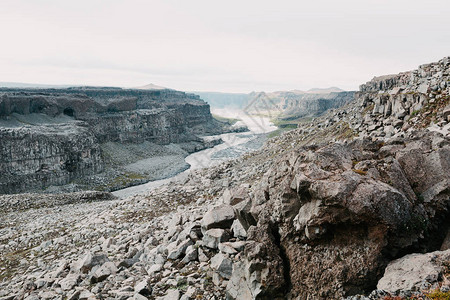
(293, 105)
(39, 156)
(394, 103)
(51, 137)
(119, 115)
(286, 104)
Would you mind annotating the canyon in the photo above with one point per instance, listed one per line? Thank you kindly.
(283, 105)
(352, 204)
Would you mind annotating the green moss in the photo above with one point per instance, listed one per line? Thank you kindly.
(344, 131)
(122, 180)
(438, 295)
(11, 261)
(278, 132)
(285, 123)
(229, 121)
(414, 113)
(360, 172)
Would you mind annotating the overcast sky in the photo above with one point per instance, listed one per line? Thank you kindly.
(207, 45)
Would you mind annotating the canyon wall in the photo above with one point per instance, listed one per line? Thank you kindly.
(53, 136)
(393, 103)
(34, 158)
(294, 105)
(286, 104)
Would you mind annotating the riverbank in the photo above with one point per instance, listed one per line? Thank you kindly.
(234, 145)
(128, 165)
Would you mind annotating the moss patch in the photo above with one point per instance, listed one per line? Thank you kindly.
(229, 121)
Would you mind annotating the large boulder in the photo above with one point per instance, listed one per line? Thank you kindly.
(414, 272)
(103, 272)
(222, 264)
(258, 272)
(219, 217)
(333, 216)
(235, 196)
(91, 260)
(213, 237)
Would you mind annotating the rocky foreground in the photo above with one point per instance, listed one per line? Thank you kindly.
(354, 204)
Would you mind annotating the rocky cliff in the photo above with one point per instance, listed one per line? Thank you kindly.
(35, 157)
(296, 105)
(394, 103)
(283, 104)
(54, 136)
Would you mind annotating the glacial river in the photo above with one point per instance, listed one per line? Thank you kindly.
(234, 145)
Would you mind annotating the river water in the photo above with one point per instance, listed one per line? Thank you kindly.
(234, 145)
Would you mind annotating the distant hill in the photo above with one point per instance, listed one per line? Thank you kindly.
(325, 90)
(151, 86)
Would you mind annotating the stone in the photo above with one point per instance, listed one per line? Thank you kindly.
(190, 292)
(191, 254)
(398, 124)
(239, 245)
(245, 213)
(143, 288)
(213, 237)
(179, 250)
(171, 295)
(103, 272)
(202, 256)
(195, 232)
(139, 297)
(389, 130)
(107, 243)
(238, 230)
(127, 262)
(446, 113)
(413, 272)
(227, 248)
(73, 295)
(237, 287)
(223, 265)
(154, 269)
(423, 88)
(446, 243)
(69, 282)
(85, 294)
(305, 217)
(235, 196)
(90, 260)
(219, 217)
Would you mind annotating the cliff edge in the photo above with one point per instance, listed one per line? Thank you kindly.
(53, 137)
